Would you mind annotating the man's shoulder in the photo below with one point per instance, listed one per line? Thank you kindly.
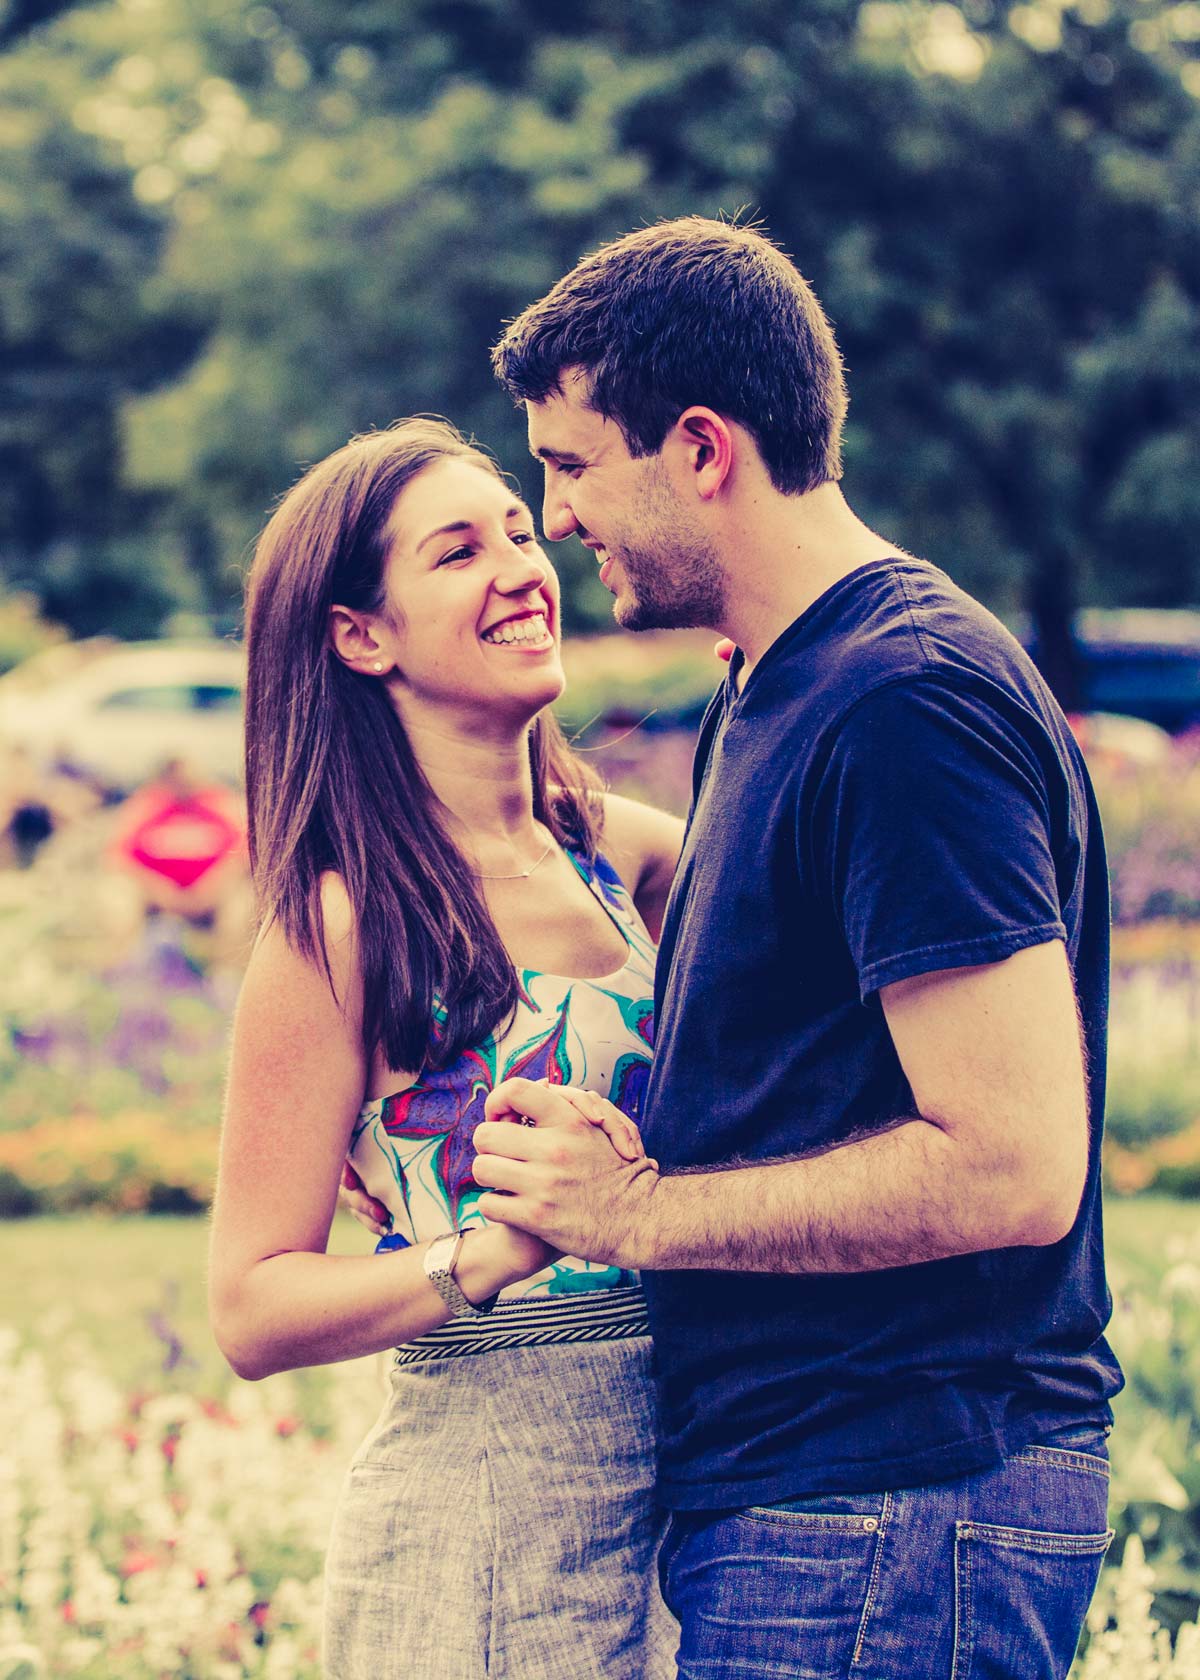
(861, 633)
(885, 628)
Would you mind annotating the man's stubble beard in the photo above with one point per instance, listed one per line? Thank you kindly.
(674, 582)
(690, 596)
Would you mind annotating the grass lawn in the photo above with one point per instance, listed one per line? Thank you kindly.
(132, 1285)
(1141, 1232)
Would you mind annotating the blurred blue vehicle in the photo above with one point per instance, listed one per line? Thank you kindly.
(1139, 662)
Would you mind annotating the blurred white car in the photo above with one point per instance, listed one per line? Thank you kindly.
(120, 710)
(1106, 737)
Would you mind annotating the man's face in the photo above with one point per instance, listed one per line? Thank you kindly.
(654, 554)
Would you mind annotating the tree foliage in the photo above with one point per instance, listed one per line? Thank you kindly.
(301, 222)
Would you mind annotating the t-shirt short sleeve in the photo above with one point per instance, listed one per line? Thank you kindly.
(932, 831)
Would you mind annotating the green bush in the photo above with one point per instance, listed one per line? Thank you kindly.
(1148, 1100)
(23, 632)
(1182, 1179)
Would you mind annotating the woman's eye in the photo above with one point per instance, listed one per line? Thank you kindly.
(458, 554)
(522, 537)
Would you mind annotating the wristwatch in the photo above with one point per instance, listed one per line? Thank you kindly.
(440, 1259)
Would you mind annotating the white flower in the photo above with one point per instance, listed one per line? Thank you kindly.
(21, 1662)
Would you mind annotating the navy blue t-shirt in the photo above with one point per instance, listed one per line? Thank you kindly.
(893, 792)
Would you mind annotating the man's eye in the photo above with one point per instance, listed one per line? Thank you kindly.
(522, 537)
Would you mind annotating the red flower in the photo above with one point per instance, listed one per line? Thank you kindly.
(136, 1563)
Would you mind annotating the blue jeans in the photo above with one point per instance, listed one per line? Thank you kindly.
(985, 1578)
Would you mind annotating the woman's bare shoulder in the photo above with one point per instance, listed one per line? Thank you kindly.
(643, 845)
(279, 959)
(642, 830)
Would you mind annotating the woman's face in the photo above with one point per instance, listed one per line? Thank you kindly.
(473, 601)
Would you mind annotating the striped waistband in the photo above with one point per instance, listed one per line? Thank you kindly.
(598, 1316)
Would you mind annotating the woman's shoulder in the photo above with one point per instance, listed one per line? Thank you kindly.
(640, 831)
(281, 954)
(292, 995)
(642, 843)
(337, 910)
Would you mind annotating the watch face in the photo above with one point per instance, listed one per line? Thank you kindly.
(438, 1265)
(439, 1259)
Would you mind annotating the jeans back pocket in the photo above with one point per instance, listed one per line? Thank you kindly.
(1020, 1599)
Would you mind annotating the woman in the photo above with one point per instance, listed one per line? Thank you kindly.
(436, 914)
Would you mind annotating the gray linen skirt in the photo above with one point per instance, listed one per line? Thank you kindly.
(499, 1521)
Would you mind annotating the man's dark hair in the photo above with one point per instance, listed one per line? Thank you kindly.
(691, 312)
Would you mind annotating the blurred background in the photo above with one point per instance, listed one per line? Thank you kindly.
(233, 234)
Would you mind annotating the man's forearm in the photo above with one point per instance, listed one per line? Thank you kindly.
(897, 1198)
(1006, 1170)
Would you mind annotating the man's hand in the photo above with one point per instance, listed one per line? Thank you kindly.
(354, 1197)
(622, 1132)
(562, 1176)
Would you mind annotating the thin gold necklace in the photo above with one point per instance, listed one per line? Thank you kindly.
(521, 874)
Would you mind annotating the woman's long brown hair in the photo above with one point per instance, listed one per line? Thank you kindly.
(332, 782)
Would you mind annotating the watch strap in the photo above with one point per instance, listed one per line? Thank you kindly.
(440, 1259)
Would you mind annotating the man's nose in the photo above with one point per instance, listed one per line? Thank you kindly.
(558, 517)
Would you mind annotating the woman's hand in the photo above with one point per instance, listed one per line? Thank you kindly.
(494, 1256)
(355, 1200)
(503, 1254)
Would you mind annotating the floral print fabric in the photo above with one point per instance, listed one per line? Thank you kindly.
(413, 1148)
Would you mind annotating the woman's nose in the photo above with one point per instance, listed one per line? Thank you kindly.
(523, 568)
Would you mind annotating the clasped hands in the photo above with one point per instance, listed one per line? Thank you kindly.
(558, 1163)
(567, 1166)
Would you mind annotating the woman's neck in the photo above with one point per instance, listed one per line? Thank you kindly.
(486, 785)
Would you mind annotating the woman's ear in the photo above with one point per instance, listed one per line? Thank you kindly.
(352, 637)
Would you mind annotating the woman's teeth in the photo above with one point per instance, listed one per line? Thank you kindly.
(530, 630)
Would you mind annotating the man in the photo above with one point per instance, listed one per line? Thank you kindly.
(871, 1240)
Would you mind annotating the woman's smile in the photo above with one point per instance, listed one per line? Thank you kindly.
(526, 630)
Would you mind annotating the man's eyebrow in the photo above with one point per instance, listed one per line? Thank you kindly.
(568, 456)
(514, 512)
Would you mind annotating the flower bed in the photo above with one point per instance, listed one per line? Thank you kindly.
(159, 1518)
(161, 1534)
(128, 1163)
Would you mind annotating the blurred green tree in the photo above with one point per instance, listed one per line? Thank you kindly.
(81, 328)
(995, 200)
(1016, 280)
(17, 17)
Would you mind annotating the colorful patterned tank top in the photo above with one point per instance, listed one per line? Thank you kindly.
(414, 1153)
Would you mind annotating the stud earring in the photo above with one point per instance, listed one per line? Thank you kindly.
(379, 664)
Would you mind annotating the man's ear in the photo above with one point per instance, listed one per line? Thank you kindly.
(707, 444)
(352, 637)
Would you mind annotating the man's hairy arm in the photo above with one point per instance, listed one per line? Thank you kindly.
(995, 1155)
